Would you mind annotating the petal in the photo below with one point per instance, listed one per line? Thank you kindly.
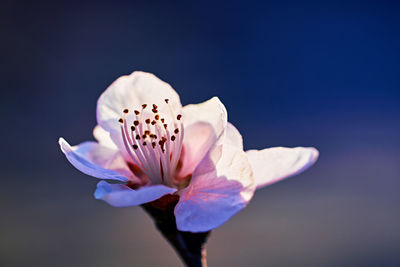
(215, 194)
(120, 195)
(274, 164)
(198, 139)
(103, 137)
(96, 160)
(204, 124)
(233, 137)
(211, 111)
(131, 92)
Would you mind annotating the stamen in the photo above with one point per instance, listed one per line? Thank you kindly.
(152, 145)
(161, 144)
(127, 141)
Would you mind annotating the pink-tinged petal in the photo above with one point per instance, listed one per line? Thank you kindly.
(274, 164)
(96, 160)
(216, 192)
(199, 137)
(131, 92)
(204, 124)
(120, 195)
(103, 137)
(121, 158)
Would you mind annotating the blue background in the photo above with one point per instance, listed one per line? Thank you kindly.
(323, 74)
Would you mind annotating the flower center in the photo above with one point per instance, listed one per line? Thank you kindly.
(153, 143)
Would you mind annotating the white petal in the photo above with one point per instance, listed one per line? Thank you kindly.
(233, 137)
(119, 195)
(215, 193)
(204, 124)
(131, 92)
(96, 160)
(103, 137)
(211, 111)
(274, 164)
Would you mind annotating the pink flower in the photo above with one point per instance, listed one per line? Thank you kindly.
(152, 146)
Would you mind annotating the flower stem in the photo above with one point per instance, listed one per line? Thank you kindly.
(189, 246)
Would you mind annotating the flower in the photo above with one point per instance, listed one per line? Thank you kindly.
(151, 146)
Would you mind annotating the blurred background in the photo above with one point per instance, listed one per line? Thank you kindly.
(300, 73)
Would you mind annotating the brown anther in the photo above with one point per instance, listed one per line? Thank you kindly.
(154, 136)
(166, 100)
(144, 136)
(137, 137)
(137, 112)
(162, 120)
(155, 106)
(135, 146)
(154, 110)
(176, 131)
(173, 138)
(133, 128)
(164, 139)
(136, 123)
(121, 120)
(179, 117)
(147, 132)
(126, 110)
(144, 106)
(161, 143)
(165, 126)
(153, 122)
(144, 143)
(153, 144)
(147, 121)
(157, 117)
